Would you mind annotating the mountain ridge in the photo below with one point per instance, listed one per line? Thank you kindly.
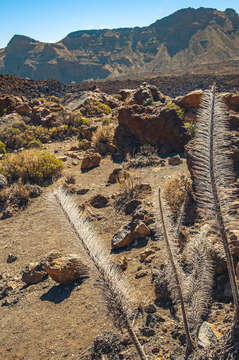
(187, 38)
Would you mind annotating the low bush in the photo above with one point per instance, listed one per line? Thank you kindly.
(190, 127)
(2, 148)
(106, 121)
(105, 109)
(174, 192)
(33, 165)
(118, 97)
(79, 121)
(177, 108)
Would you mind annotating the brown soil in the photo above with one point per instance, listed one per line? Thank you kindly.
(49, 321)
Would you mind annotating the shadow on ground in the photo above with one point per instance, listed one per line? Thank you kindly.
(59, 293)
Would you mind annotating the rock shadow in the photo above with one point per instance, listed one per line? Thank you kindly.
(59, 293)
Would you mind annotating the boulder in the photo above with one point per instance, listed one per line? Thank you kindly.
(24, 109)
(208, 335)
(190, 100)
(8, 103)
(160, 126)
(33, 273)
(90, 161)
(65, 269)
(145, 94)
(128, 234)
(231, 100)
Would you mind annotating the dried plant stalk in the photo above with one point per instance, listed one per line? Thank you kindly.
(175, 277)
(114, 287)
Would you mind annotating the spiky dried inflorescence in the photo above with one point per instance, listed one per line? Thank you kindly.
(213, 173)
(114, 287)
(198, 284)
(175, 275)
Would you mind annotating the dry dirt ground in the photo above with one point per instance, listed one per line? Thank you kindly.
(47, 321)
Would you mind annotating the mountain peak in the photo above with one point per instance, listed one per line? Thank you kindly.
(189, 37)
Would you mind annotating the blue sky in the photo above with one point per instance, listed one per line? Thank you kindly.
(52, 20)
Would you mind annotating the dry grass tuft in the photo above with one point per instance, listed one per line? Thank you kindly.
(102, 137)
(174, 191)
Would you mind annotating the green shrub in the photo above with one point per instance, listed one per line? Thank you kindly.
(118, 96)
(177, 108)
(80, 120)
(148, 102)
(31, 165)
(106, 121)
(190, 127)
(103, 108)
(2, 148)
(34, 144)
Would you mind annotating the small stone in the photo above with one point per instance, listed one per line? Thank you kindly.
(122, 262)
(33, 273)
(75, 162)
(208, 334)
(141, 274)
(11, 258)
(151, 308)
(145, 254)
(174, 160)
(7, 213)
(148, 332)
(62, 158)
(128, 233)
(131, 206)
(99, 201)
(3, 181)
(82, 191)
(118, 175)
(90, 161)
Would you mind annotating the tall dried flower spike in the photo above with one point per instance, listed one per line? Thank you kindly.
(213, 173)
(114, 287)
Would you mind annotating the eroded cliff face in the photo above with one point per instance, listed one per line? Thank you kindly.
(185, 39)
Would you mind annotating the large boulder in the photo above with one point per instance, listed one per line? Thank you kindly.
(160, 126)
(190, 100)
(8, 103)
(65, 269)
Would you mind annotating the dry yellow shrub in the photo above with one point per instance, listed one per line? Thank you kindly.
(174, 191)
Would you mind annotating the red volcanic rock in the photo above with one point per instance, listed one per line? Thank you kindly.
(159, 126)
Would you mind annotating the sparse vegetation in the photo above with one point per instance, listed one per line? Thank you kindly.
(174, 191)
(34, 166)
(2, 148)
(149, 102)
(177, 108)
(105, 109)
(191, 127)
(102, 137)
(106, 121)
(117, 96)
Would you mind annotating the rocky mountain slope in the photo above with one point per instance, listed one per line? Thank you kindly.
(188, 39)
